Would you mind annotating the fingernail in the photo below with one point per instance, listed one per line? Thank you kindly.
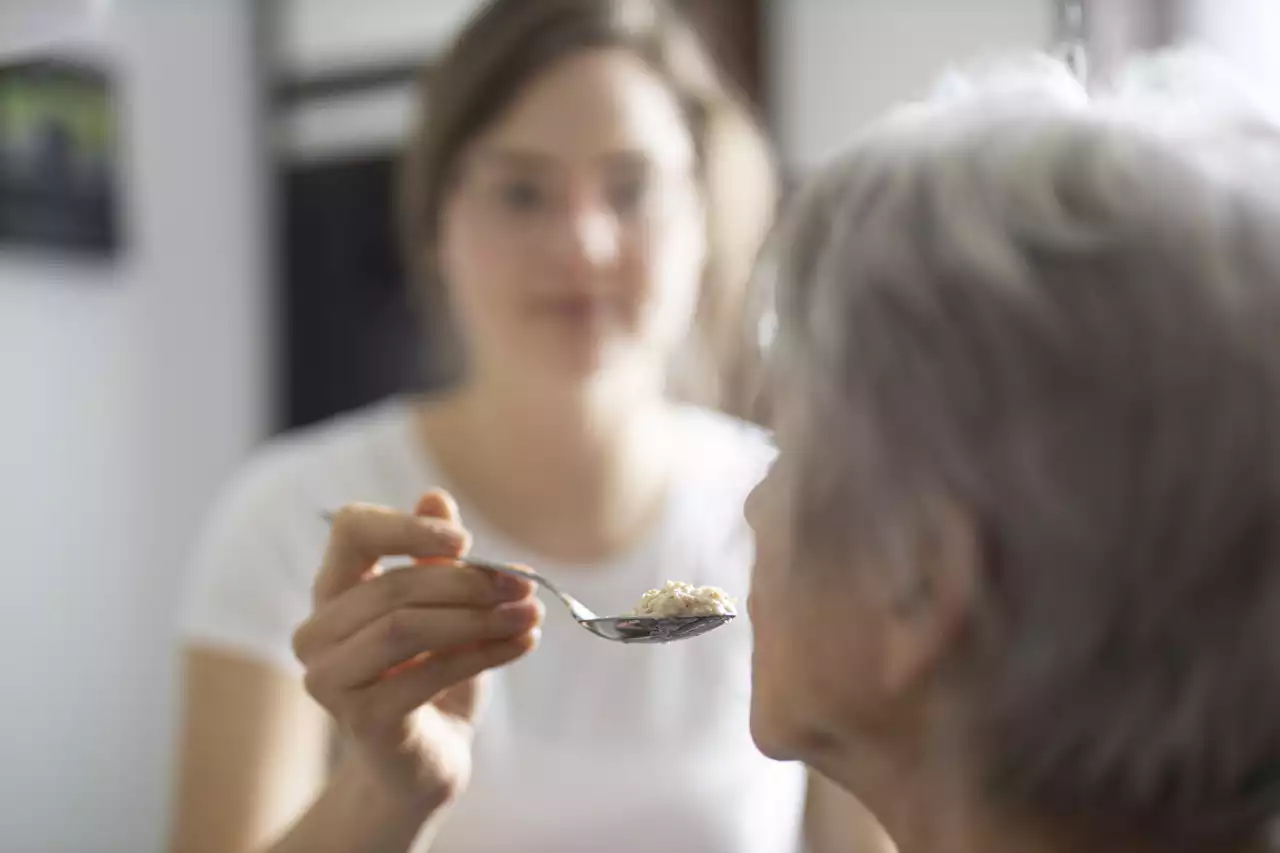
(516, 615)
(510, 586)
(449, 534)
(437, 504)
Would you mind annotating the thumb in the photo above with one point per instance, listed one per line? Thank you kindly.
(465, 700)
(437, 503)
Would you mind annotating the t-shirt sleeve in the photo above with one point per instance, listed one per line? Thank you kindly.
(249, 578)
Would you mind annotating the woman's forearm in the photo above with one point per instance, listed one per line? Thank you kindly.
(350, 816)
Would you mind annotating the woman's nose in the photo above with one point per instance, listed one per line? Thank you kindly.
(591, 237)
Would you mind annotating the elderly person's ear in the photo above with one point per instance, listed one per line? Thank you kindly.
(928, 604)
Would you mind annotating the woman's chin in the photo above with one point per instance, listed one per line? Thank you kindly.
(558, 373)
(588, 367)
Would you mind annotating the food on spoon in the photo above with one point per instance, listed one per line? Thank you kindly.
(678, 598)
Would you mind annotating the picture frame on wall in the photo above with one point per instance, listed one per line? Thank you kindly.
(59, 158)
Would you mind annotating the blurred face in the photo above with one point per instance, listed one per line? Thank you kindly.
(574, 242)
(849, 649)
(817, 627)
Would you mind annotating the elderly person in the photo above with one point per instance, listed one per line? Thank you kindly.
(1017, 584)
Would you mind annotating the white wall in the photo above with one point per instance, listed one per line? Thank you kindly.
(1245, 31)
(837, 63)
(320, 34)
(27, 25)
(129, 391)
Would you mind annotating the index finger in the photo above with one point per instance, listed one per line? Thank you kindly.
(362, 534)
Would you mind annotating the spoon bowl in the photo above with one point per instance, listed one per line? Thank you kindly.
(648, 629)
(620, 629)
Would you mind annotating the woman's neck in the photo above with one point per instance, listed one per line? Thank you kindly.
(577, 478)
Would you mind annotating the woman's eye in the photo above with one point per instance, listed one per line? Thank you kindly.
(521, 197)
(627, 196)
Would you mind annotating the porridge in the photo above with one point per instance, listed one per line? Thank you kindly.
(682, 599)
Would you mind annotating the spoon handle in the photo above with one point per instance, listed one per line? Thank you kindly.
(577, 608)
(580, 611)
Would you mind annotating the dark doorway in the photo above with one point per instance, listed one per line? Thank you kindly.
(351, 337)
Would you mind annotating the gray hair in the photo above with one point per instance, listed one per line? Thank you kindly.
(1061, 313)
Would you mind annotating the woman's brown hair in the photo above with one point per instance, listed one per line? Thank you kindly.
(503, 47)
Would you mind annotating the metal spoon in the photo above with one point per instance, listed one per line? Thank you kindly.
(621, 629)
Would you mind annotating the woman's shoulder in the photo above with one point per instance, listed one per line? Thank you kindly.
(352, 453)
(253, 562)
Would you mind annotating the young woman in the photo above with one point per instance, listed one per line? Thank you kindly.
(582, 201)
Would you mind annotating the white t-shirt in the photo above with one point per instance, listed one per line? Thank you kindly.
(585, 744)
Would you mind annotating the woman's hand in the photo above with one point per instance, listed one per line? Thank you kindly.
(397, 657)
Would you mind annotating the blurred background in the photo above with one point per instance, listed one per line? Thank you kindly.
(196, 252)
